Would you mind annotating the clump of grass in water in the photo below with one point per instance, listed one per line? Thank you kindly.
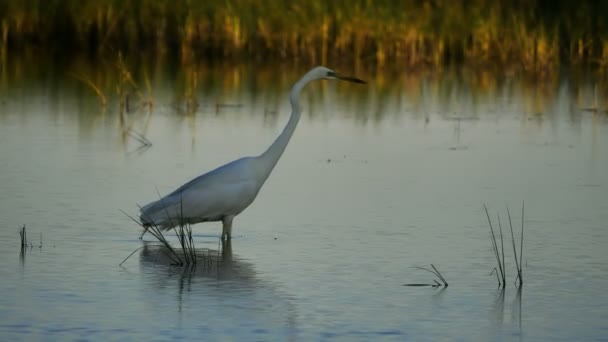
(86, 80)
(436, 272)
(499, 253)
(23, 235)
(127, 86)
(183, 232)
(25, 242)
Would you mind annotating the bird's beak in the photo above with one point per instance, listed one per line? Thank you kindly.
(348, 78)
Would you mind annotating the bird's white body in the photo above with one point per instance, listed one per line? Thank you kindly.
(223, 193)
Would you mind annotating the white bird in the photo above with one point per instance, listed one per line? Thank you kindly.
(223, 193)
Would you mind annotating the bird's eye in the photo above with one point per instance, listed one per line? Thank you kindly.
(331, 74)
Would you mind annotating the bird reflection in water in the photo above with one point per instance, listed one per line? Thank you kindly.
(219, 286)
(210, 263)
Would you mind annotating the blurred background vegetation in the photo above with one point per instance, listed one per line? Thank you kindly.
(528, 35)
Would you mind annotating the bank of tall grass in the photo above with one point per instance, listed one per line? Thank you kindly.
(533, 34)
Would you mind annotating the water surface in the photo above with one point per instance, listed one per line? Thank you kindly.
(376, 181)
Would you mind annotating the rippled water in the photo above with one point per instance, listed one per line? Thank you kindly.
(374, 183)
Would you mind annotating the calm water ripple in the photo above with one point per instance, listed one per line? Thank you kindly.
(374, 183)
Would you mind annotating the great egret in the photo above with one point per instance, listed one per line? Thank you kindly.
(223, 193)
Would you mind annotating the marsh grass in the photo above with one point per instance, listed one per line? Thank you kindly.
(25, 242)
(598, 105)
(533, 34)
(103, 101)
(186, 255)
(127, 88)
(497, 240)
(23, 235)
(519, 281)
(434, 271)
(131, 96)
(500, 261)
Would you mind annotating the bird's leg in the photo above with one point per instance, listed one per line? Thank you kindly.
(227, 228)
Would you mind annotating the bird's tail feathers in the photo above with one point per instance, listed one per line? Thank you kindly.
(156, 214)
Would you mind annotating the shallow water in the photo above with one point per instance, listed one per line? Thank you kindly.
(373, 184)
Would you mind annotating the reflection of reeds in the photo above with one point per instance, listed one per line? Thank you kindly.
(498, 308)
(208, 260)
(150, 98)
(126, 106)
(129, 131)
(597, 106)
(266, 83)
(102, 98)
(517, 307)
(139, 137)
(191, 83)
(126, 87)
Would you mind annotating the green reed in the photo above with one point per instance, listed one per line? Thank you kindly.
(183, 231)
(534, 35)
(436, 272)
(25, 242)
(499, 253)
(519, 281)
(23, 235)
(497, 240)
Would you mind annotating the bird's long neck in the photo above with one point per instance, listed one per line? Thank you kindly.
(271, 156)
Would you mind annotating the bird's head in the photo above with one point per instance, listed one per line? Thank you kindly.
(316, 73)
(322, 72)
